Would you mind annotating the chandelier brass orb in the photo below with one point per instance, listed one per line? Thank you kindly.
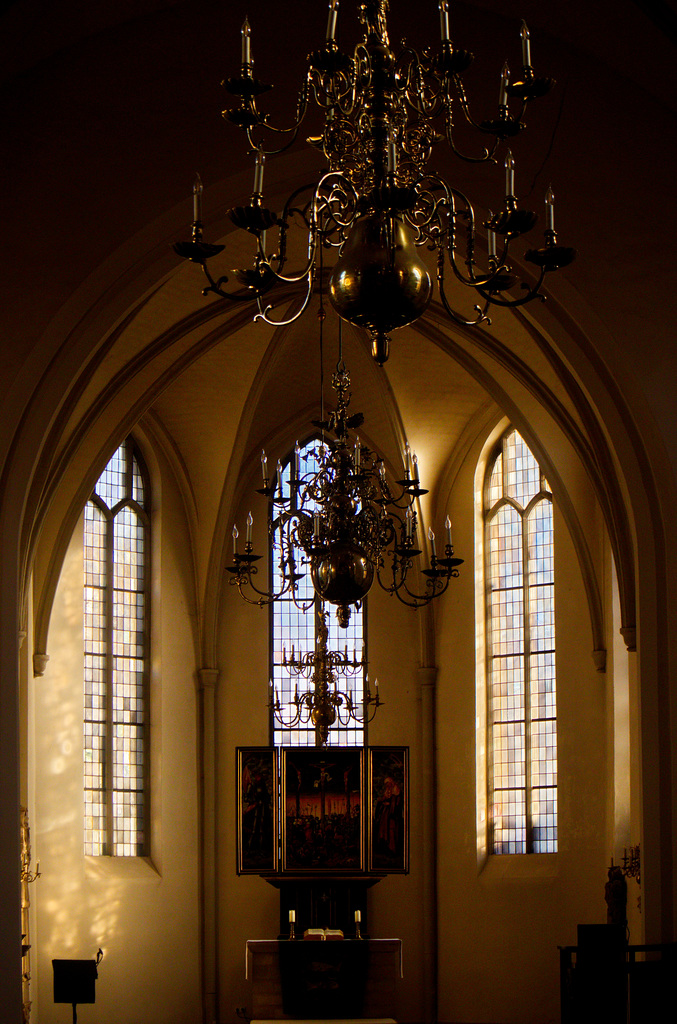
(379, 281)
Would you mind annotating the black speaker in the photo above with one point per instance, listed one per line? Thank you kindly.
(74, 981)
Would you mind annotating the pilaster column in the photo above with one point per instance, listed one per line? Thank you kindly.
(427, 678)
(207, 679)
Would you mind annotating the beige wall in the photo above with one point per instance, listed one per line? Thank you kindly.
(143, 912)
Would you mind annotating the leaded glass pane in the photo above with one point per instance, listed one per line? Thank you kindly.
(521, 654)
(111, 485)
(522, 472)
(115, 661)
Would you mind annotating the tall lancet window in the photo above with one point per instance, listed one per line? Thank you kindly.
(116, 658)
(292, 626)
(520, 610)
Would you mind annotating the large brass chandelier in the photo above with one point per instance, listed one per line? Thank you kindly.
(323, 703)
(345, 523)
(378, 201)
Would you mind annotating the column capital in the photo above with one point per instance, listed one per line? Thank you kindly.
(207, 678)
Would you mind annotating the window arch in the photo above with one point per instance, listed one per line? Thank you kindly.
(116, 655)
(292, 625)
(520, 629)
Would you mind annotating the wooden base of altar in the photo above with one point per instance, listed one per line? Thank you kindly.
(346, 979)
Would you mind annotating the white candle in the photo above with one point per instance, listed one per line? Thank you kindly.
(246, 42)
(550, 209)
(264, 468)
(197, 200)
(258, 171)
(491, 237)
(414, 459)
(431, 538)
(392, 156)
(526, 45)
(235, 536)
(331, 23)
(250, 523)
(444, 20)
(447, 526)
(509, 174)
(505, 80)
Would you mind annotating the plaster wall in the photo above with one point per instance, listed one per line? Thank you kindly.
(502, 917)
(142, 912)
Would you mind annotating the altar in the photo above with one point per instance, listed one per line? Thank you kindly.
(348, 978)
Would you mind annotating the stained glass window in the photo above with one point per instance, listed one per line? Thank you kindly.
(295, 624)
(116, 658)
(520, 652)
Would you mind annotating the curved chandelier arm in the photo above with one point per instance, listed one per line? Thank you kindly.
(249, 118)
(242, 572)
(256, 280)
(531, 292)
(462, 321)
(438, 575)
(263, 313)
(503, 127)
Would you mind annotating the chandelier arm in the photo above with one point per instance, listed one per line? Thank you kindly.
(532, 293)
(258, 120)
(488, 153)
(456, 317)
(437, 587)
(216, 285)
(263, 313)
(414, 92)
(483, 128)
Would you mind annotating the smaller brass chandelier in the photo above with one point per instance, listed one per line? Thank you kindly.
(344, 523)
(323, 703)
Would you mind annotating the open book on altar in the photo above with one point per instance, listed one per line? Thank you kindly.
(322, 934)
